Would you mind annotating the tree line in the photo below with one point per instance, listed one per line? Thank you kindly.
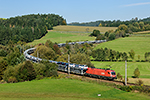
(114, 23)
(28, 27)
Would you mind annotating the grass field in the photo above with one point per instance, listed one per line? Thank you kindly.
(61, 34)
(119, 67)
(62, 37)
(64, 89)
(140, 45)
(82, 28)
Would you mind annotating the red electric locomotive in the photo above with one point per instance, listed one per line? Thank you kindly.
(101, 73)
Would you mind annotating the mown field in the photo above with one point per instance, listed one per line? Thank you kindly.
(64, 89)
(82, 28)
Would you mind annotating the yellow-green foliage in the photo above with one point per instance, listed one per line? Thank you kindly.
(3, 18)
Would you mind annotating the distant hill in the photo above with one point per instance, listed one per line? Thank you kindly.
(114, 23)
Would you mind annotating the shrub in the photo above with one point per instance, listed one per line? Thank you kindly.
(9, 73)
(95, 33)
(12, 79)
(119, 76)
(136, 73)
(51, 69)
(126, 88)
(140, 82)
(38, 77)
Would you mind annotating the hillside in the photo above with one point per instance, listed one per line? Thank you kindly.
(140, 45)
(28, 27)
(64, 89)
(61, 34)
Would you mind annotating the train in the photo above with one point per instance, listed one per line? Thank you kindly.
(76, 68)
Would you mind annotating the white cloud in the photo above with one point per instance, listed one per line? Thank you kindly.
(136, 4)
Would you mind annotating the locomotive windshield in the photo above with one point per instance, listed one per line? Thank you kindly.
(113, 73)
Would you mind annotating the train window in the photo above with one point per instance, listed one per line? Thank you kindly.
(108, 73)
(113, 73)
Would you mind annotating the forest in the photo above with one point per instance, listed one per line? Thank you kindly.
(134, 24)
(28, 27)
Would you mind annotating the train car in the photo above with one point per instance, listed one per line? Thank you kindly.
(101, 73)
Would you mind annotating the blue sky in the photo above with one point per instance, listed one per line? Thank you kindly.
(78, 10)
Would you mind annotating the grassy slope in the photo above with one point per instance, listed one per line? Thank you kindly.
(64, 89)
(62, 37)
(73, 33)
(140, 45)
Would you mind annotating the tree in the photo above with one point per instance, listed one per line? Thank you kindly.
(26, 72)
(49, 44)
(132, 54)
(45, 53)
(136, 73)
(106, 34)
(123, 27)
(100, 37)
(56, 49)
(95, 33)
(112, 36)
(15, 57)
(124, 56)
(3, 66)
(117, 55)
(99, 54)
(147, 56)
(80, 58)
(51, 69)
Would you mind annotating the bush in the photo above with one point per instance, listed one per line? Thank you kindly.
(38, 77)
(95, 33)
(51, 69)
(112, 36)
(12, 79)
(136, 73)
(9, 73)
(140, 82)
(119, 76)
(126, 88)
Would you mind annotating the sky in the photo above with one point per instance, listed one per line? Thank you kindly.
(78, 10)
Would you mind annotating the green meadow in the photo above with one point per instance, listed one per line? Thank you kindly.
(64, 89)
(119, 67)
(140, 45)
(62, 37)
(61, 34)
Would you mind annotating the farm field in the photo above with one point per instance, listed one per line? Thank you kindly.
(140, 45)
(82, 28)
(64, 89)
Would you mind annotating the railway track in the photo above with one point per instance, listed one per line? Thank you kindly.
(96, 79)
